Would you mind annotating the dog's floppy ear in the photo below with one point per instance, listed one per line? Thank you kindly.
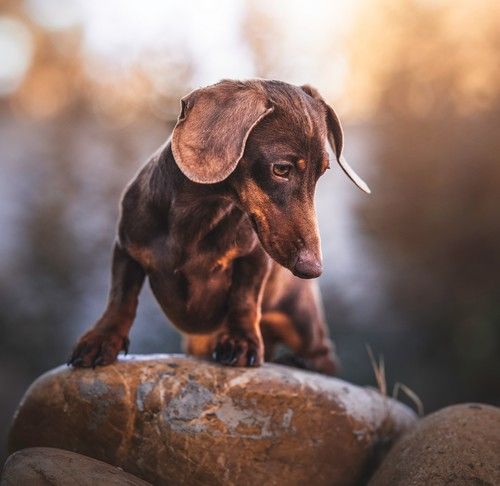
(336, 138)
(210, 135)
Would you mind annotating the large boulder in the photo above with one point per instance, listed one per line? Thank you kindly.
(45, 466)
(177, 420)
(458, 445)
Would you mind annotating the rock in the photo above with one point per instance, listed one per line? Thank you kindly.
(45, 466)
(458, 445)
(178, 420)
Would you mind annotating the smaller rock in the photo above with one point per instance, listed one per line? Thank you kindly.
(458, 445)
(46, 466)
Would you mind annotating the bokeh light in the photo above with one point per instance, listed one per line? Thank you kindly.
(16, 52)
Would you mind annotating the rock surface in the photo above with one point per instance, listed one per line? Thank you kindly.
(44, 466)
(458, 445)
(177, 420)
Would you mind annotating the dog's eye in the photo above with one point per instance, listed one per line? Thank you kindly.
(282, 170)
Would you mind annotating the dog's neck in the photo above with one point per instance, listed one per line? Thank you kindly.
(196, 208)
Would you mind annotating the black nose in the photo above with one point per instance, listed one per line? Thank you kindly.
(307, 265)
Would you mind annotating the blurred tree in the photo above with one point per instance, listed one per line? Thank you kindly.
(433, 88)
(70, 141)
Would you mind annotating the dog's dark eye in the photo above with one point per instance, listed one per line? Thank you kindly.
(282, 170)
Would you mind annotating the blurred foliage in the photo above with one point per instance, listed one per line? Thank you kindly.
(416, 82)
(435, 218)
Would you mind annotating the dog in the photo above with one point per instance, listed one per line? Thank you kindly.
(222, 221)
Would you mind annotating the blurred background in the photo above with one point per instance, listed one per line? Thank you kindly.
(90, 88)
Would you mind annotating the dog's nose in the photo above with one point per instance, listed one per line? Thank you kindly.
(308, 265)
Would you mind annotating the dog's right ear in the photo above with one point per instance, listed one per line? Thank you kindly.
(209, 138)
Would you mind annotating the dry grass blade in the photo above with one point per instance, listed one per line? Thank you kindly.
(378, 370)
(411, 395)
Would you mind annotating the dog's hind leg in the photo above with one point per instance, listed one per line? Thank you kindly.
(301, 326)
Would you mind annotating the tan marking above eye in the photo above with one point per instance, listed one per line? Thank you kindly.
(301, 165)
(325, 163)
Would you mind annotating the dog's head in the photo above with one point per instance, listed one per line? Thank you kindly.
(267, 141)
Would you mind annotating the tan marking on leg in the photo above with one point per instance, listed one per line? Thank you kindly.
(199, 345)
(225, 260)
(281, 327)
(141, 254)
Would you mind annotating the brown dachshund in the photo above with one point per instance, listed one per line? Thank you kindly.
(222, 221)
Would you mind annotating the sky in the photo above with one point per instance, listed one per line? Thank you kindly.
(119, 34)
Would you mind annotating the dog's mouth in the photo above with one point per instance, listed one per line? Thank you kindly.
(271, 245)
(301, 261)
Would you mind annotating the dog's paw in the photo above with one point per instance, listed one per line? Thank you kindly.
(235, 350)
(97, 349)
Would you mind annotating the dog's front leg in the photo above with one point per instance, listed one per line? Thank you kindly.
(240, 343)
(101, 344)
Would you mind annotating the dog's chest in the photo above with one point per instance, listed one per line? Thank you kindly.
(207, 265)
(191, 279)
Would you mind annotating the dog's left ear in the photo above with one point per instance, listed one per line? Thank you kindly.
(336, 138)
(209, 138)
